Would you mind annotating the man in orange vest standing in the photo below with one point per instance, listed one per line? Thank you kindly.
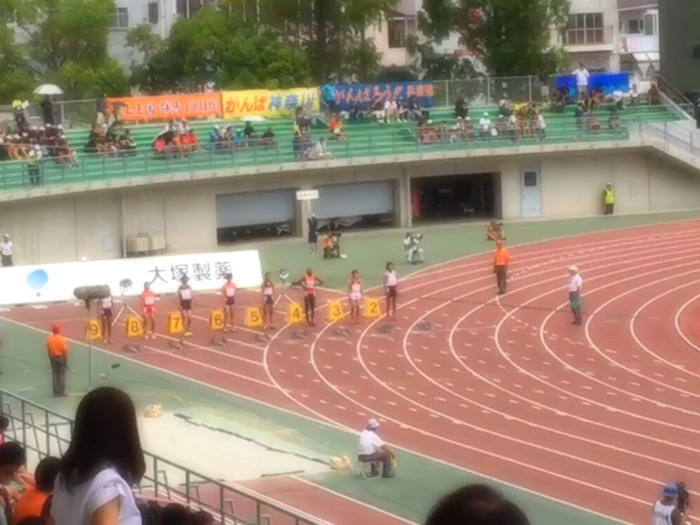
(500, 267)
(57, 347)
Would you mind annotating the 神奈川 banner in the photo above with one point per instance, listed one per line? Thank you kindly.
(348, 94)
(268, 102)
(164, 107)
(125, 277)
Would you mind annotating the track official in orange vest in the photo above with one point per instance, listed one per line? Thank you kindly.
(500, 267)
(57, 347)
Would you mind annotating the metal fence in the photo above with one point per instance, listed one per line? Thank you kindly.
(46, 433)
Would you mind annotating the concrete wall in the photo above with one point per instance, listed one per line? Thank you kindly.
(91, 225)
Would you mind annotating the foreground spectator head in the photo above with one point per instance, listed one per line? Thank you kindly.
(175, 514)
(105, 433)
(202, 518)
(34, 502)
(476, 505)
(33, 520)
(12, 458)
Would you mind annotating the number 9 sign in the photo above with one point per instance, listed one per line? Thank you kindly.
(94, 331)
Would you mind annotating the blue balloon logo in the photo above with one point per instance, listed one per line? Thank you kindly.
(37, 280)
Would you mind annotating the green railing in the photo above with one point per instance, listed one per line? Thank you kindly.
(372, 144)
(46, 433)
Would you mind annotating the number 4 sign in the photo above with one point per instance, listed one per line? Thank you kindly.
(296, 313)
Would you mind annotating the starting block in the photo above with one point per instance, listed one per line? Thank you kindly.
(132, 348)
(425, 326)
(263, 338)
(385, 329)
(342, 332)
(300, 335)
(219, 341)
(175, 344)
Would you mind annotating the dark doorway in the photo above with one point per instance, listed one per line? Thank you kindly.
(454, 197)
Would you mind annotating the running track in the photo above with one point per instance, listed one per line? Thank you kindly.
(598, 416)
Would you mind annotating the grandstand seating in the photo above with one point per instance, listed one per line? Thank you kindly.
(364, 139)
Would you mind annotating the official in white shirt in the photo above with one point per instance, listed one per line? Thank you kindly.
(575, 284)
(6, 250)
(582, 76)
(372, 448)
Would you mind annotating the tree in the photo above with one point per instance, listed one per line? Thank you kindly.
(332, 32)
(219, 46)
(511, 37)
(63, 42)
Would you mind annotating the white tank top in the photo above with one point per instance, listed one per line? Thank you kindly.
(185, 294)
(268, 291)
(107, 302)
(356, 287)
(391, 279)
(661, 515)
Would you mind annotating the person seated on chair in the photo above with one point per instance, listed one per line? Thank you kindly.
(372, 448)
(494, 231)
(331, 247)
(411, 248)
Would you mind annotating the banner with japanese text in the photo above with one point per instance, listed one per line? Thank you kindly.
(125, 277)
(364, 94)
(268, 102)
(165, 107)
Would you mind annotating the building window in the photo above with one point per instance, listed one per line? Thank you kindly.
(585, 28)
(120, 18)
(634, 27)
(153, 13)
(399, 28)
(189, 8)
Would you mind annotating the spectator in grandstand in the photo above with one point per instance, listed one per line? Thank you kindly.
(296, 145)
(505, 107)
(558, 102)
(582, 76)
(513, 128)
(414, 110)
(35, 501)
(461, 106)
(665, 511)
(391, 110)
(476, 505)
(34, 157)
(654, 95)
(371, 448)
(614, 120)
(103, 461)
(618, 98)
(335, 126)
(634, 95)
(328, 97)
(541, 126)
(126, 144)
(249, 130)
(47, 110)
(485, 127)
(543, 79)
(377, 110)
(7, 250)
(12, 459)
(356, 112)
(320, 151)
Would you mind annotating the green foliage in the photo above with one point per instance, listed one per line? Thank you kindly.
(215, 45)
(63, 42)
(396, 74)
(511, 37)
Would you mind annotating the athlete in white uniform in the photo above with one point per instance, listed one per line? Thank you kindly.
(106, 314)
(391, 286)
(355, 296)
(185, 293)
(665, 511)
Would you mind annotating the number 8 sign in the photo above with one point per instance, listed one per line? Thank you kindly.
(134, 326)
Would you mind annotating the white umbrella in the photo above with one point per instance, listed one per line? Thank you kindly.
(48, 89)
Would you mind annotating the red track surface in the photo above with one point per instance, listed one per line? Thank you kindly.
(598, 416)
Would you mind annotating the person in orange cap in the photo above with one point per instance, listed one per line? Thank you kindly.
(501, 259)
(57, 347)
